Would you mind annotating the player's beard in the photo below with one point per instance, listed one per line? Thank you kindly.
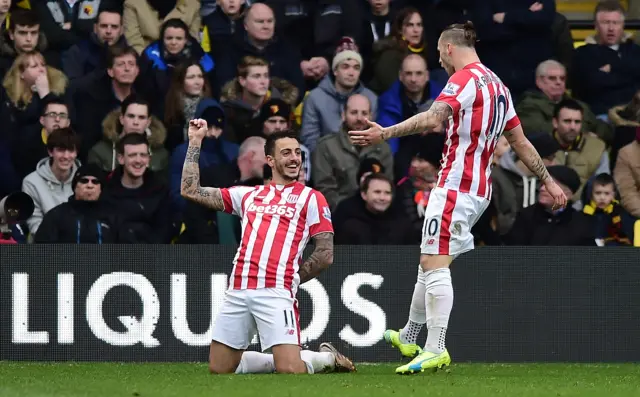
(283, 171)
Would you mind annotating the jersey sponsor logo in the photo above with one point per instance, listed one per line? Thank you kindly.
(451, 89)
(326, 213)
(273, 209)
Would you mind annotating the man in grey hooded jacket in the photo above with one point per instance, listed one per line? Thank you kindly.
(51, 183)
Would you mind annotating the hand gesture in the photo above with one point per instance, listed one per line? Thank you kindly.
(197, 130)
(559, 199)
(371, 136)
(42, 85)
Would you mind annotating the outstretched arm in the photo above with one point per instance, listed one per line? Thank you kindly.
(437, 114)
(526, 152)
(321, 257)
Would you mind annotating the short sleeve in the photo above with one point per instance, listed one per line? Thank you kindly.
(318, 215)
(512, 118)
(460, 91)
(233, 198)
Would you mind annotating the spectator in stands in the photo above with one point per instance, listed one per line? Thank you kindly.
(259, 41)
(159, 59)
(584, 152)
(24, 36)
(27, 84)
(535, 108)
(95, 101)
(29, 145)
(414, 188)
(275, 115)
(335, 159)
(539, 225)
(514, 186)
(202, 225)
(87, 60)
(66, 23)
(84, 219)
(406, 37)
(411, 94)
(143, 18)
(375, 221)
(325, 103)
(606, 71)
(613, 225)
(626, 120)
(627, 176)
(133, 117)
(189, 86)
(222, 24)
(10, 181)
(138, 196)
(377, 20)
(243, 97)
(215, 148)
(315, 27)
(513, 38)
(50, 184)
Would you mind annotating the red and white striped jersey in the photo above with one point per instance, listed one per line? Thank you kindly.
(482, 110)
(277, 222)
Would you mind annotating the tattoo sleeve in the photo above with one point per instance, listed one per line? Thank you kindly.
(527, 153)
(190, 186)
(321, 258)
(437, 114)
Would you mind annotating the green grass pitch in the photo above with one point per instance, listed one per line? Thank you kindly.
(28, 379)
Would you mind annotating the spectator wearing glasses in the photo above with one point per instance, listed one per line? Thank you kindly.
(536, 106)
(84, 219)
(29, 146)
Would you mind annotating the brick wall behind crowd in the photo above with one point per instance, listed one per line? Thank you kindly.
(155, 303)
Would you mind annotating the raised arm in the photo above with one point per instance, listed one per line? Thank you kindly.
(190, 185)
(321, 257)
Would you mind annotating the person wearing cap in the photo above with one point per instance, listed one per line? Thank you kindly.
(84, 219)
(514, 186)
(540, 225)
(336, 160)
(324, 104)
(133, 117)
(215, 149)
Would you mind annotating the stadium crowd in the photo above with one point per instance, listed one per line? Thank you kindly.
(97, 94)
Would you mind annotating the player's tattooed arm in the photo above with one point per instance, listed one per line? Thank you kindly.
(526, 152)
(321, 257)
(190, 186)
(438, 113)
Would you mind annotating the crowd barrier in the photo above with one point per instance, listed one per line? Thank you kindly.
(156, 303)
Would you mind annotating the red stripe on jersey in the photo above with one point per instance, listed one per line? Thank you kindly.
(297, 239)
(489, 145)
(474, 134)
(258, 245)
(445, 223)
(451, 149)
(271, 275)
(246, 237)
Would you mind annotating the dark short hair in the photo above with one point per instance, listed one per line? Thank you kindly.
(175, 23)
(604, 179)
(567, 103)
(131, 139)
(270, 144)
(117, 51)
(110, 8)
(23, 17)
(608, 6)
(63, 138)
(134, 99)
(376, 176)
(52, 99)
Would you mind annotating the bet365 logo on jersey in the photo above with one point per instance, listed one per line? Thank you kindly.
(273, 209)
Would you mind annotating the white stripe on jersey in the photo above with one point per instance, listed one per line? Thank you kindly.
(246, 266)
(245, 222)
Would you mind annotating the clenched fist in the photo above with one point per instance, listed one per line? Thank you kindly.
(197, 130)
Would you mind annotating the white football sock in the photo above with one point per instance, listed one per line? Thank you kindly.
(318, 361)
(417, 311)
(256, 363)
(439, 302)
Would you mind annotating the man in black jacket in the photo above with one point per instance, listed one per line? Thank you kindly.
(85, 218)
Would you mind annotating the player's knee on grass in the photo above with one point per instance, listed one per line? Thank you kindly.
(432, 262)
(287, 360)
(223, 359)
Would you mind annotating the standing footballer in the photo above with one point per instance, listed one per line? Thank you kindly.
(478, 109)
(278, 220)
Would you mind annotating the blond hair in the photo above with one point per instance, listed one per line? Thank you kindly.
(18, 92)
